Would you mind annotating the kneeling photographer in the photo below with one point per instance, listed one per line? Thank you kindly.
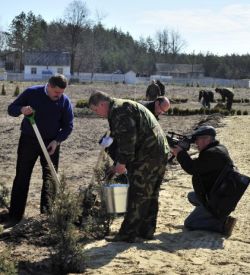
(205, 170)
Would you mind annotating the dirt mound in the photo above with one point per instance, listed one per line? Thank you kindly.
(214, 120)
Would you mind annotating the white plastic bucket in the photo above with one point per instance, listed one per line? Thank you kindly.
(115, 197)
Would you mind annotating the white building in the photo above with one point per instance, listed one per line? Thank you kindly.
(42, 65)
(180, 70)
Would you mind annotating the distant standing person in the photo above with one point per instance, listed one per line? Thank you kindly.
(153, 91)
(161, 86)
(226, 94)
(54, 119)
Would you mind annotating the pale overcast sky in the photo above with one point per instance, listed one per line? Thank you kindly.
(216, 26)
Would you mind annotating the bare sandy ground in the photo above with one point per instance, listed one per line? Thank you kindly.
(174, 250)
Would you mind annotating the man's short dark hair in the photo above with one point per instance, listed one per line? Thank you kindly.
(58, 80)
(97, 97)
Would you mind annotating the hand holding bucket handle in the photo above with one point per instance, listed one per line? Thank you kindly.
(116, 169)
(31, 118)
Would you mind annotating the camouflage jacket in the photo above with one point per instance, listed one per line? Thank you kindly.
(226, 93)
(136, 132)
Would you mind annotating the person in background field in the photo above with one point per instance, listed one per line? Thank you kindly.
(141, 151)
(211, 95)
(161, 86)
(205, 97)
(226, 94)
(205, 170)
(157, 107)
(153, 91)
(54, 119)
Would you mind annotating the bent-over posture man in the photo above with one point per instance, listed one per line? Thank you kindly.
(141, 151)
(54, 119)
(206, 96)
(205, 169)
(226, 94)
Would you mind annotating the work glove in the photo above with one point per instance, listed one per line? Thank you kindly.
(105, 141)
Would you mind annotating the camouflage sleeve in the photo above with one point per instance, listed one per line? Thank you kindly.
(125, 133)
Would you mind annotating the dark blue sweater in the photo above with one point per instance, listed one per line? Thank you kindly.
(54, 119)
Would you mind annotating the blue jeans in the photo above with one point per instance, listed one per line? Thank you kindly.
(201, 219)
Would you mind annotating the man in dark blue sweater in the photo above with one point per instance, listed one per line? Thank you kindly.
(54, 119)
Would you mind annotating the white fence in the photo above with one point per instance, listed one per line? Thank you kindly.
(211, 82)
(130, 78)
(15, 76)
(97, 77)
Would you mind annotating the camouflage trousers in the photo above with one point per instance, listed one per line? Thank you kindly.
(145, 180)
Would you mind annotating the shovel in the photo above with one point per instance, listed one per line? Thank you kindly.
(31, 118)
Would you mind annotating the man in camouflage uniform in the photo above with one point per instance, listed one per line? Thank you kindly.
(142, 152)
(161, 86)
(153, 91)
(226, 94)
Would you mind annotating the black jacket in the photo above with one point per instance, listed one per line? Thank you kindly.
(206, 168)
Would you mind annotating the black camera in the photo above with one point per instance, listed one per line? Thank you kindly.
(178, 139)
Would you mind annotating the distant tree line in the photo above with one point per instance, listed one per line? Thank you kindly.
(94, 48)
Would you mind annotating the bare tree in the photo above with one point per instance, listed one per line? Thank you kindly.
(100, 15)
(163, 41)
(75, 20)
(150, 45)
(176, 43)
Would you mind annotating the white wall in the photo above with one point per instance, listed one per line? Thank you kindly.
(88, 77)
(3, 76)
(39, 75)
(162, 78)
(97, 77)
(209, 81)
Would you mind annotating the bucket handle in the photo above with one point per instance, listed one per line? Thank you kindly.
(126, 176)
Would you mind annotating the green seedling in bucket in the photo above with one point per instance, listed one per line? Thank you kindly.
(31, 118)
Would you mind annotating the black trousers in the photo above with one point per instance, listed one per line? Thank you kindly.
(27, 154)
(230, 102)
